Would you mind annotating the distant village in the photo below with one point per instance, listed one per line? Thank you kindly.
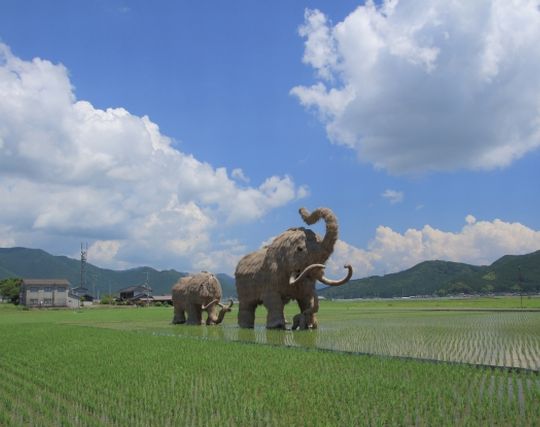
(47, 293)
(60, 293)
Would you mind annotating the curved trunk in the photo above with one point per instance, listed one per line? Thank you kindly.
(224, 309)
(338, 282)
(331, 236)
(293, 280)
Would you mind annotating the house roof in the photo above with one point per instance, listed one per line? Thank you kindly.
(46, 282)
(81, 292)
(134, 288)
(162, 298)
(144, 298)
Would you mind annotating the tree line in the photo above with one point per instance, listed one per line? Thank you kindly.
(9, 289)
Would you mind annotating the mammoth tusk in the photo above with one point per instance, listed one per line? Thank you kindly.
(227, 308)
(293, 280)
(338, 282)
(204, 307)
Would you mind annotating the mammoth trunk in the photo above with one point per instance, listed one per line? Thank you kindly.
(331, 235)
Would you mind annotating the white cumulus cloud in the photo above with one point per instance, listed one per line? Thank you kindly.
(417, 86)
(477, 243)
(68, 168)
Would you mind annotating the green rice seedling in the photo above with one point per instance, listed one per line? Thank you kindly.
(131, 367)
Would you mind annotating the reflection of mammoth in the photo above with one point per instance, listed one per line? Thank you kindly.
(196, 293)
(287, 269)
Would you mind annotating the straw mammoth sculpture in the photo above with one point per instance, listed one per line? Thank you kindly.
(286, 269)
(195, 294)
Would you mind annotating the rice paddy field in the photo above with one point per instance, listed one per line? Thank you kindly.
(381, 363)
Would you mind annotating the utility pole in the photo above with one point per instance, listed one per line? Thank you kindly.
(520, 285)
(84, 253)
(147, 286)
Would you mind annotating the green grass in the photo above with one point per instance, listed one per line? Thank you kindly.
(121, 367)
(495, 302)
(406, 328)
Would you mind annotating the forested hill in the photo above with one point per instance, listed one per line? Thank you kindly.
(444, 278)
(38, 264)
(426, 278)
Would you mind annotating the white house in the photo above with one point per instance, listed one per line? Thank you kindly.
(46, 293)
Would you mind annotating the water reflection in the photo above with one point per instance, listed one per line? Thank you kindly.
(258, 335)
(244, 335)
(409, 335)
(307, 338)
(261, 335)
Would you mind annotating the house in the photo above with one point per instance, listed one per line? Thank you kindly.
(153, 300)
(46, 293)
(162, 299)
(134, 293)
(82, 293)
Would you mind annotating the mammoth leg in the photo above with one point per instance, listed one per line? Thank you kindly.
(312, 313)
(303, 304)
(179, 314)
(246, 314)
(275, 318)
(194, 314)
(308, 312)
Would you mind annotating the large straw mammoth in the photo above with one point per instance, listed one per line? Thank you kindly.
(195, 294)
(286, 269)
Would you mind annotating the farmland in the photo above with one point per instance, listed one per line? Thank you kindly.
(131, 367)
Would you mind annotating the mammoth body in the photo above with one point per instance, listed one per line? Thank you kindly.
(285, 270)
(195, 294)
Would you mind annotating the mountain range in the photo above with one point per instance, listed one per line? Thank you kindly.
(511, 273)
(38, 264)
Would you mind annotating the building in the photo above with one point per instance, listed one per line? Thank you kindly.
(153, 300)
(81, 293)
(46, 293)
(162, 299)
(134, 293)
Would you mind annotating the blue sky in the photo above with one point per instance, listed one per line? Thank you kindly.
(186, 134)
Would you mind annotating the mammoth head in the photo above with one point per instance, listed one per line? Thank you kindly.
(208, 285)
(297, 248)
(302, 253)
(221, 316)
